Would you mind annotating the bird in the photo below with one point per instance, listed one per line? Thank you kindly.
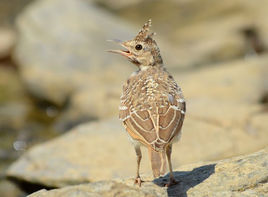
(152, 106)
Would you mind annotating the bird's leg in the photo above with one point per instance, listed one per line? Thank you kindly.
(139, 155)
(172, 180)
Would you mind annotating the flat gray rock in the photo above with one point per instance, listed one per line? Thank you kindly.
(243, 176)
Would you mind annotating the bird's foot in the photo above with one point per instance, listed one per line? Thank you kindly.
(171, 182)
(138, 181)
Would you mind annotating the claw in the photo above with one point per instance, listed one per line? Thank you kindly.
(138, 181)
(172, 182)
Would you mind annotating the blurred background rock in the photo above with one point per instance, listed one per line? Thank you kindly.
(55, 75)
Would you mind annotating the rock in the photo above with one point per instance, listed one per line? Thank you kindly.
(7, 42)
(224, 82)
(99, 189)
(92, 158)
(10, 9)
(223, 113)
(69, 56)
(90, 104)
(13, 115)
(118, 4)
(205, 32)
(9, 189)
(100, 150)
(14, 105)
(240, 176)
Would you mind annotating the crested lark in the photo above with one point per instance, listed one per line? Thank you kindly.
(152, 106)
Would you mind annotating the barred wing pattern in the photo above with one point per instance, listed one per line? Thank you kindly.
(152, 108)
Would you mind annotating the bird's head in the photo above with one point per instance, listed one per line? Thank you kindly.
(142, 50)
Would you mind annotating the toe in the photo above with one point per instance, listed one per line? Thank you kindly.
(138, 181)
(171, 183)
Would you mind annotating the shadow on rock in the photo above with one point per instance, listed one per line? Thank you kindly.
(28, 187)
(186, 180)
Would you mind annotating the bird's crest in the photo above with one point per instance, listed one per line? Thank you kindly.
(144, 32)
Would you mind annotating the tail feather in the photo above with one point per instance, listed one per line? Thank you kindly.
(158, 162)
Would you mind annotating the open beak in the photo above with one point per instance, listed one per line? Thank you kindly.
(124, 52)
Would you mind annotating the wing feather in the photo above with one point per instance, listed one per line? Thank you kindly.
(152, 119)
(148, 136)
(167, 131)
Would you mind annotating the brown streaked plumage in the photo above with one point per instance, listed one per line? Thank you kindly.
(152, 106)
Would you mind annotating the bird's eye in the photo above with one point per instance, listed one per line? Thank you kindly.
(138, 47)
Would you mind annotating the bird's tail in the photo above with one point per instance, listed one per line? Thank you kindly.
(158, 162)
